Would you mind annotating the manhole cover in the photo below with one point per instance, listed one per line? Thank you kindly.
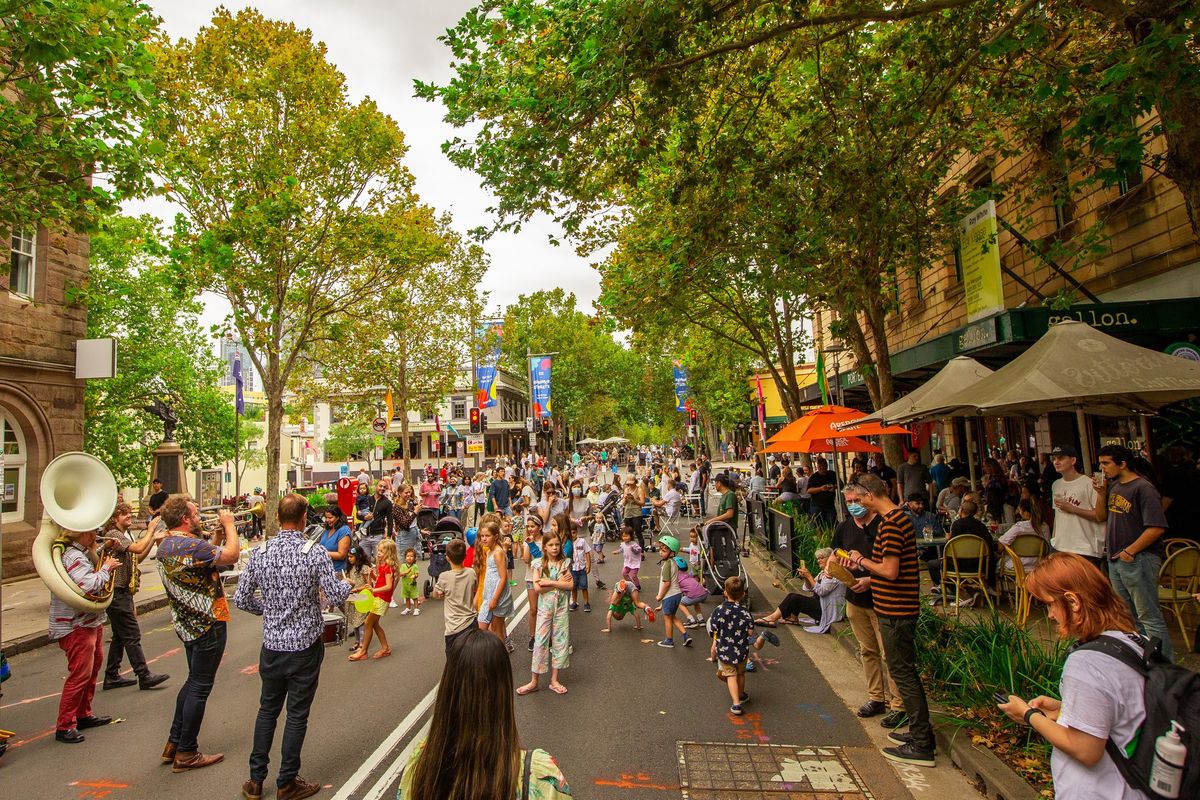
(726, 771)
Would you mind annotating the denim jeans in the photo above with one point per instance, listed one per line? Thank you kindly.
(203, 658)
(292, 677)
(899, 636)
(1137, 584)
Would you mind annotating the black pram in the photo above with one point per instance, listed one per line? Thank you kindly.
(444, 531)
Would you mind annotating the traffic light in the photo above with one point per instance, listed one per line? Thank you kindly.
(692, 416)
(476, 419)
(545, 424)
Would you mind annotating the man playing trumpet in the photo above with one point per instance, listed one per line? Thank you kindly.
(81, 636)
(125, 634)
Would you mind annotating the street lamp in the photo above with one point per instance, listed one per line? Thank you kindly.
(835, 348)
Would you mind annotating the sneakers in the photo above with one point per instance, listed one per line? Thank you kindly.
(666, 642)
(700, 618)
(393, 604)
(909, 753)
(693, 623)
(871, 708)
(743, 697)
(587, 607)
(966, 602)
(894, 719)
(403, 613)
(770, 637)
(573, 606)
(508, 645)
(531, 644)
(687, 641)
(736, 709)
(750, 667)
(898, 737)
(416, 612)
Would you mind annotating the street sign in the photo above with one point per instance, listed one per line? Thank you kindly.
(475, 444)
(532, 439)
(379, 453)
(343, 470)
(379, 425)
(529, 424)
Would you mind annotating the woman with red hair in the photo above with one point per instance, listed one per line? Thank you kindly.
(1101, 696)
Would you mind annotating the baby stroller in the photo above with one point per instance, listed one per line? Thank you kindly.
(721, 553)
(427, 521)
(444, 531)
(607, 510)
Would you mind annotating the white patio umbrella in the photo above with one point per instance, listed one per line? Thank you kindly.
(1075, 367)
(614, 440)
(958, 374)
(588, 441)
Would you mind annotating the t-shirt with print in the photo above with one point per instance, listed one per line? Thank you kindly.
(187, 566)
(670, 574)
(458, 585)
(896, 597)
(1101, 697)
(1133, 507)
(579, 556)
(631, 554)
(733, 628)
(1073, 533)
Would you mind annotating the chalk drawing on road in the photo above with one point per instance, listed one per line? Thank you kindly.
(729, 771)
(912, 777)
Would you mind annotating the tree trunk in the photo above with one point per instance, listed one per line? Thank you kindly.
(404, 424)
(274, 389)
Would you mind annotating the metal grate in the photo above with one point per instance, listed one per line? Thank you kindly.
(734, 771)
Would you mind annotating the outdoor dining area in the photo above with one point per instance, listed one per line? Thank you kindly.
(1073, 368)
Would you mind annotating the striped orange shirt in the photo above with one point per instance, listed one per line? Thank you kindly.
(896, 537)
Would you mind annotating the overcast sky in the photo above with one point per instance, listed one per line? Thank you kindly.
(382, 46)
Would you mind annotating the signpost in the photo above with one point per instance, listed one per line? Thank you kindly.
(379, 425)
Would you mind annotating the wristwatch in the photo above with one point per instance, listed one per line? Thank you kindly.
(1029, 715)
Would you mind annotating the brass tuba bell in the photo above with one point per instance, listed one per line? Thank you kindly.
(78, 493)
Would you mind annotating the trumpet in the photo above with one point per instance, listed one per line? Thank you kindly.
(210, 519)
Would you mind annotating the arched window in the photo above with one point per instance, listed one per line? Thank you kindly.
(12, 488)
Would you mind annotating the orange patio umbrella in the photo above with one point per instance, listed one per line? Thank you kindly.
(829, 422)
(844, 444)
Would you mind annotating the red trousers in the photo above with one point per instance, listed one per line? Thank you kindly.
(85, 656)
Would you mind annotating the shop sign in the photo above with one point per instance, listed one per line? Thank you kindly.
(1097, 318)
(976, 335)
(1183, 350)
(981, 262)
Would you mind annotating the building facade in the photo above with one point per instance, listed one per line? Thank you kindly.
(230, 347)
(1141, 283)
(41, 401)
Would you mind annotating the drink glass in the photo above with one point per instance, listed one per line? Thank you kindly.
(927, 533)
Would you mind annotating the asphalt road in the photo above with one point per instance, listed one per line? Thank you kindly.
(621, 731)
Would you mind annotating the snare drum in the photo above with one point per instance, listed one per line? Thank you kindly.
(333, 631)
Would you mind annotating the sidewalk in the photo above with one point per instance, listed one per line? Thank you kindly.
(836, 656)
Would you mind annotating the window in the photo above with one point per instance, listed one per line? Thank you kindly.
(22, 262)
(958, 273)
(1060, 178)
(1130, 179)
(12, 489)
(458, 408)
(917, 285)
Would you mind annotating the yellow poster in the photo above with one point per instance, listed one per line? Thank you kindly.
(981, 262)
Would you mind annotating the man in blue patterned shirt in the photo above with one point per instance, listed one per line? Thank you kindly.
(286, 582)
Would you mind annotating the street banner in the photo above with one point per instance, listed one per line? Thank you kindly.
(391, 410)
(822, 382)
(239, 401)
(980, 253)
(488, 335)
(762, 411)
(474, 444)
(681, 385)
(539, 372)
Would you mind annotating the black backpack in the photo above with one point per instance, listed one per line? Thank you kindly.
(1171, 693)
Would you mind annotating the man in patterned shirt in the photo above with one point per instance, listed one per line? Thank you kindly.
(188, 565)
(286, 582)
(81, 636)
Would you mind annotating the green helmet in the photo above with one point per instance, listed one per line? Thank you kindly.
(671, 542)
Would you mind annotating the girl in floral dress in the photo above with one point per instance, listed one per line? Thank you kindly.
(552, 582)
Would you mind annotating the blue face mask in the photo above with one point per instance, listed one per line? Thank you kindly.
(857, 510)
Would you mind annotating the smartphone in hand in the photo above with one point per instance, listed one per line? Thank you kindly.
(1000, 697)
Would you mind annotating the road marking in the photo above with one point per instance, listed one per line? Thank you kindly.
(250, 670)
(99, 681)
(392, 771)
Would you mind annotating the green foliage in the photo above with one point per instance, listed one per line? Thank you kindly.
(76, 82)
(349, 440)
(807, 537)
(132, 296)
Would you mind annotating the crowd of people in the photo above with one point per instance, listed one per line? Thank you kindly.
(560, 521)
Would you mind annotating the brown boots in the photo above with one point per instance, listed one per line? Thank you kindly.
(185, 761)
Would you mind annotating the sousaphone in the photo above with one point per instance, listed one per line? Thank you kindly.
(78, 493)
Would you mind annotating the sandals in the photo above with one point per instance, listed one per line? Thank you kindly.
(357, 655)
(387, 651)
(526, 689)
(558, 688)
(763, 623)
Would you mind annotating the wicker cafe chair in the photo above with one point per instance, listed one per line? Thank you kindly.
(1014, 573)
(1178, 580)
(1175, 544)
(962, 548)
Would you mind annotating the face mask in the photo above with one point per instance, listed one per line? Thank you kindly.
(857, 510)
(577, 492)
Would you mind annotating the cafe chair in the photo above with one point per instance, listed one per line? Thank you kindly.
(1178, 580)
(960, 549)
(1030, 545)
(1011, 579)
(1175, 543)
